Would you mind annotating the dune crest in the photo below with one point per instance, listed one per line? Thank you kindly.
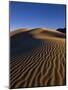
(35, 31)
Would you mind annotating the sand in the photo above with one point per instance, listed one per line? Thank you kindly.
(37, 58)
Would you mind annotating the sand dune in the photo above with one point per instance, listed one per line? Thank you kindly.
(17, 31)
(37, 58)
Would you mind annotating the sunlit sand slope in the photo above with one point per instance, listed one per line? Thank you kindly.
(37, 58)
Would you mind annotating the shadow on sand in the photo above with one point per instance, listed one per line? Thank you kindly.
(23, 43)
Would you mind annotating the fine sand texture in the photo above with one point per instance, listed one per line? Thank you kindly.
(37, 58)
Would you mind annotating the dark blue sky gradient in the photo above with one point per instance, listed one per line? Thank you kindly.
(36, 15)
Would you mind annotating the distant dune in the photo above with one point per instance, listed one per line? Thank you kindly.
(63, 30)
(37, 58)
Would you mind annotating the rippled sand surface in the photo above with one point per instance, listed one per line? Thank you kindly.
(42, 63)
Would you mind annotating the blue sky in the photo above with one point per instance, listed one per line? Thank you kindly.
(36, 15)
